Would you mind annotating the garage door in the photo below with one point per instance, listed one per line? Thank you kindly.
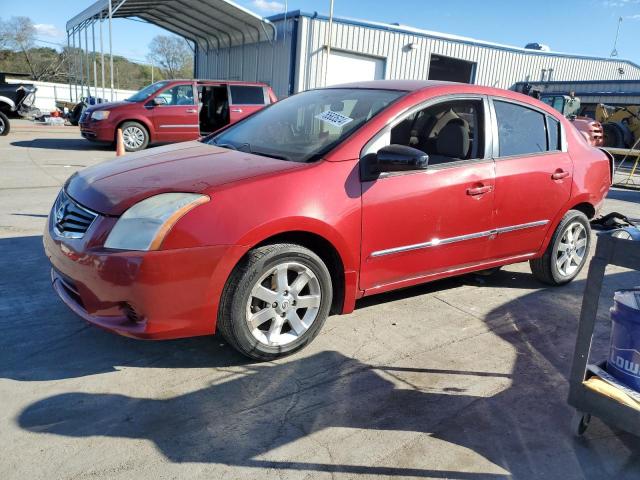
(349, 67)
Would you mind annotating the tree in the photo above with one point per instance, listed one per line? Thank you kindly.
(20, 34)
(4, 42)
(172, 55)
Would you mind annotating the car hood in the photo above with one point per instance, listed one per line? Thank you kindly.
(106, 106)
(111, 187)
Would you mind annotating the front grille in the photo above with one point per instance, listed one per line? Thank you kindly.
(70, 219)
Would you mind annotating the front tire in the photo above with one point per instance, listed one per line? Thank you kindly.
(567, 252)
(4, 125)
(275, 301)
(134, 136)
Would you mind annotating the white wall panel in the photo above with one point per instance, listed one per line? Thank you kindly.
(495, 65)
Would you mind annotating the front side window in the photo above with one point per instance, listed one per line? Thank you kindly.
(178, 95)
(305, 126)
(246, 95)
(521, 130)
(448, 132)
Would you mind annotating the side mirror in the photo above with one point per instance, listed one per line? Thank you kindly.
(159, 101)
(399, 158)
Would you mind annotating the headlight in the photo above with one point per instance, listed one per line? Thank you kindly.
(144, 226)
(100, 115)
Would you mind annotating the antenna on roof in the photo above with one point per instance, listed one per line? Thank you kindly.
(614, 52)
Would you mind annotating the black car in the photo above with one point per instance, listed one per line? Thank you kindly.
(14, 97)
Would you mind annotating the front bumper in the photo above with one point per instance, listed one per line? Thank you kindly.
(100, 131)
(148, 295)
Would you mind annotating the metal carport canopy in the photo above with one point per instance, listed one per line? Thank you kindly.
(209, 23)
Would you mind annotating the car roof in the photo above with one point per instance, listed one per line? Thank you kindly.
(404, 85)
(213, 80)
(413, 86)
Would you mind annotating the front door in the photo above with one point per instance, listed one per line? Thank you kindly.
(175, 117)
(245, 100)
(534, 175)
(418, 224)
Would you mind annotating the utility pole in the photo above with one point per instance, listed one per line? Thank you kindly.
(102, 56)
(95, 62)
(110, 48)
(329, 31)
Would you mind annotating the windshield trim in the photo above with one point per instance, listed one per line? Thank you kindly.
(330, 147)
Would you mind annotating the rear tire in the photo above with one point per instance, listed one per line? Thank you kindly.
(275, 301)
(135, 136)
(565, 256)
(4, 125)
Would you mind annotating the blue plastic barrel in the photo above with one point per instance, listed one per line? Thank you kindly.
(624, 355)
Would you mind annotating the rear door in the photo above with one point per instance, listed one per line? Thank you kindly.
(177, 119)
(245, 100)
(534, 175)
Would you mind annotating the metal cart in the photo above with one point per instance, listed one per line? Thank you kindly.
(588, 402)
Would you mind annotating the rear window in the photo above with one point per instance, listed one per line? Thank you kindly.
(521, 130)
(246, 95)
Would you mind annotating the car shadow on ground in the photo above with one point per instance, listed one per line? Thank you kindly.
(523, 428)
(63, 144)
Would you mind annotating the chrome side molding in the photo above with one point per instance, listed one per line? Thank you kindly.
(461, 238)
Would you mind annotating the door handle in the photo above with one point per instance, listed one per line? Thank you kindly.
(481, 190)
(559, 174)
(236, 110)
(191, 110)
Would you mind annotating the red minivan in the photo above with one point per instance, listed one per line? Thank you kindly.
(174, 111)
(262, 229)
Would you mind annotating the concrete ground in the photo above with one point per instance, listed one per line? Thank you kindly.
(464, 378)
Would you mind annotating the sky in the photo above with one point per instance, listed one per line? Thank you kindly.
(585, 27)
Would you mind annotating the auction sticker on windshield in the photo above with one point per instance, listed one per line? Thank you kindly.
(334, 118)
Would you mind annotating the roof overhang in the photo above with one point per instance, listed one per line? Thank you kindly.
(210, 23)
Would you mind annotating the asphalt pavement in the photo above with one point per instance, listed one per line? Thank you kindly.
(464, 378)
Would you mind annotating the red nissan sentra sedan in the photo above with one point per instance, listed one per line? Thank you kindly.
(265, 228)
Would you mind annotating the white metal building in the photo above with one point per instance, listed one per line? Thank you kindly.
(360, 50)
(295, 51)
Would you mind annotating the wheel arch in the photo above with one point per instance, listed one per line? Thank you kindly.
(144, 122)
(325, 250)
(6, 104)
(582, 204)
(585, 207)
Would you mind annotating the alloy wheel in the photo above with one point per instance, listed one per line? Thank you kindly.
(283, 304)
(2, 126)
(571, 250)
(133, 137)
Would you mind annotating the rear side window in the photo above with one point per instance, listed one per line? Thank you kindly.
(553, 127)
(521, 130)
(246, 95)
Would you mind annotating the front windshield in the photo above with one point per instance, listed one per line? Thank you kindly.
(146, 92)
(304, 127)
